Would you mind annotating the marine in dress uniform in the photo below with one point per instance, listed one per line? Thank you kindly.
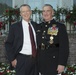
(53, 47)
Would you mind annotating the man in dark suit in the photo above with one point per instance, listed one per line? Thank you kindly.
(53, 45)
(19, 46)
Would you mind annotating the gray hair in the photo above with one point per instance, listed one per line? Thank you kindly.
(25, 5)
(48, 5)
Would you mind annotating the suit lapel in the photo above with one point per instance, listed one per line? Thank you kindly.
(21, 31)
(34, 25)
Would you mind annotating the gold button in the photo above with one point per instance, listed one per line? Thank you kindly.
(45, 25)
(42, 37)
(44, 31)
(38, 30)
(53, 56)
(42, 43)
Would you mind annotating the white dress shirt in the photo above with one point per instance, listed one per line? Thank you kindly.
(27, 48)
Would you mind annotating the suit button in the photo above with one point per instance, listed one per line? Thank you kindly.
(54, 57)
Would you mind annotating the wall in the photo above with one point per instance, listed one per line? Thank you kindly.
(40, 3)
(17, 3)
(67, 4)
(72, 48)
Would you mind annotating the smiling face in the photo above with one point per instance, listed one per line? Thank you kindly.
(47, 13)
(25, 12)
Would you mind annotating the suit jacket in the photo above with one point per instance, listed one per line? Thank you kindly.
(52, 55)
(14, 42)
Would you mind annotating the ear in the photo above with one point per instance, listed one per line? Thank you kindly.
(20, 14)
(53, 12)
(30, 11)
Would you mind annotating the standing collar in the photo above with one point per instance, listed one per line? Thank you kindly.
(51, 21)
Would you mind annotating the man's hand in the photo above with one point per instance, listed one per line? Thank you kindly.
(60, 68)
(14, 62)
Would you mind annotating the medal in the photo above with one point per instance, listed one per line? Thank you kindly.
(51, 39)
(52, 31)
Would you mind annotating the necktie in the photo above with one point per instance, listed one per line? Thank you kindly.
(32, 41)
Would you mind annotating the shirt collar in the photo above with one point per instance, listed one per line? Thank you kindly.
(25, 21)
